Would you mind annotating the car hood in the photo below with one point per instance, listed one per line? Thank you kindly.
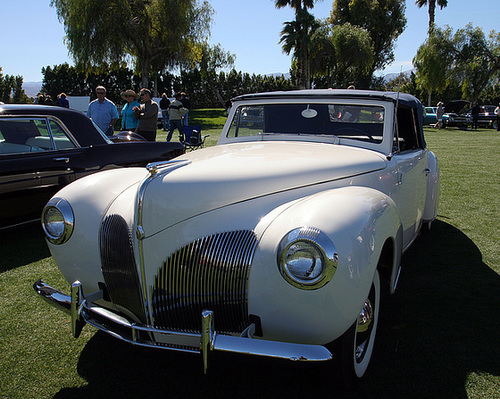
(223, 175)
(456, 106)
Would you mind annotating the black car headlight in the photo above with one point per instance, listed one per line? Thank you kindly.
(307, 258)
(58, 220)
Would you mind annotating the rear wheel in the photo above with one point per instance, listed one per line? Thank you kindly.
(356, 345)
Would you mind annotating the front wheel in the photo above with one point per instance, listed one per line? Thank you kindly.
(356, 345)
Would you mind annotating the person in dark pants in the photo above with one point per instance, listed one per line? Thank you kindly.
(497, 113)
(164, 104)
(475, 115)
(187, 105)
(147, 114)
(176, 111)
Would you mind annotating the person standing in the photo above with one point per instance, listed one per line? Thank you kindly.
(187, 105)
(103, 112)
(164, 104)
(497, 113)
(147, 114)
(176, 110)
(62, 100)
(439, 115)
(475, 115)
(129, 122)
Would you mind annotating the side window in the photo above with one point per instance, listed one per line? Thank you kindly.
(23, 135)
(16, 136)
(248, 121)
(61, 140)
(407, 130)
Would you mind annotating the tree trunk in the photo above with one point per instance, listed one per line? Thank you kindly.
(432, 14)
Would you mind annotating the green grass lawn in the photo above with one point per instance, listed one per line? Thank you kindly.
(437, 338)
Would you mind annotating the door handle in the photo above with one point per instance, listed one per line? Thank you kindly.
(427, 171)
(65, 160)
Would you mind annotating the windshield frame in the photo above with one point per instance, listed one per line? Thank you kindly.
(387, 137)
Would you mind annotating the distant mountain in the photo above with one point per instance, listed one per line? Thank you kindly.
(32, 88)
(390, 76)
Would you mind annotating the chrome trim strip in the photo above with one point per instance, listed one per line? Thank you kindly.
(156, 169)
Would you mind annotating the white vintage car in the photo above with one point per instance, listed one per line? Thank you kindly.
(276, 242)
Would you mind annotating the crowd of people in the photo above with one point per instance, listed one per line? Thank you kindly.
(139, 114)
(140, 117)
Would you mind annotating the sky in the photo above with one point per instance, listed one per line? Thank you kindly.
(249, 29)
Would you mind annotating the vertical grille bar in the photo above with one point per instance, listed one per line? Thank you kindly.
(119, 267)
(209, 273)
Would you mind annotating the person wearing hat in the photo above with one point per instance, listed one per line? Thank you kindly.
(129, 122)
(147, 114)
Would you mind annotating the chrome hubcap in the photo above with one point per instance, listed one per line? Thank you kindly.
(363, 330)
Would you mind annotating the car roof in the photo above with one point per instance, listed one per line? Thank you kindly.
(402, 98)
(77, 122)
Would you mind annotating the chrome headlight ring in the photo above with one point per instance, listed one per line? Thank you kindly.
(58, 221)
(307, 258)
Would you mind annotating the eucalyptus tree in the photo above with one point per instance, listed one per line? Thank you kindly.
(150, 34)
(467, 58)
(296, 37)
(432, 62)
(431, 4)
(384, 20)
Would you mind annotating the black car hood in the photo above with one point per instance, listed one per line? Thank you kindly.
(456, 106)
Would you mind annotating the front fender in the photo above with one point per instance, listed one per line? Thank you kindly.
(359, 221)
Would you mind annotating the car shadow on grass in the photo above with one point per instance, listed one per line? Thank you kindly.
(433, 333)
(21, 246)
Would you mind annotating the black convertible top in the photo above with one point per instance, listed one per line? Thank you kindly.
(403, 98)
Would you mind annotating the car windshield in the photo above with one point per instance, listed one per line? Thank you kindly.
(359, 122)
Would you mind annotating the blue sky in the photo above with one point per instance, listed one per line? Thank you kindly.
(249, 29)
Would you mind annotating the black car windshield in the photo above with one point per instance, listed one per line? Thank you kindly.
(360, 122)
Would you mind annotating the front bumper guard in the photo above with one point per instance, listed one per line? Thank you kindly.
(82, 310)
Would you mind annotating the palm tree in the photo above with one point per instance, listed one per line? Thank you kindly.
(432, 9)
(296, 37)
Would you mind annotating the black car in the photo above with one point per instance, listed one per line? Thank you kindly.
(487, 117)
(456, 116)
(44, 148)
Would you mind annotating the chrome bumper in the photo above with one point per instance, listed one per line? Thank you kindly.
(82, 310)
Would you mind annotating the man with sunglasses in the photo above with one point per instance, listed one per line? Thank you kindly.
(103, 112)
(147, 114)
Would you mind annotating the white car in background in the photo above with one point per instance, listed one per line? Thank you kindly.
(276, 242)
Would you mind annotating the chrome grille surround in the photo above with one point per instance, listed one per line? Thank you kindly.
(119, 267)
(210, 273)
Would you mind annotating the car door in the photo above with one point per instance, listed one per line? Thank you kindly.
(411, 175)
(34, 166)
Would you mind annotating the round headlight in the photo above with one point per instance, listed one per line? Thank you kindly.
(307, 258)
(58, 220)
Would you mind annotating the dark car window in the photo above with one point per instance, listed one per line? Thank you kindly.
(22, 135)
(407, 130)
(356, 122)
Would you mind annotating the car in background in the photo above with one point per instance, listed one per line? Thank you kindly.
(44, 148)
(456, 114)
(487, 117)
(279, 241)
(430, 116)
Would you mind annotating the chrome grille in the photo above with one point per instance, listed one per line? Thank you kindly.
(119, 267)
(210, 273)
